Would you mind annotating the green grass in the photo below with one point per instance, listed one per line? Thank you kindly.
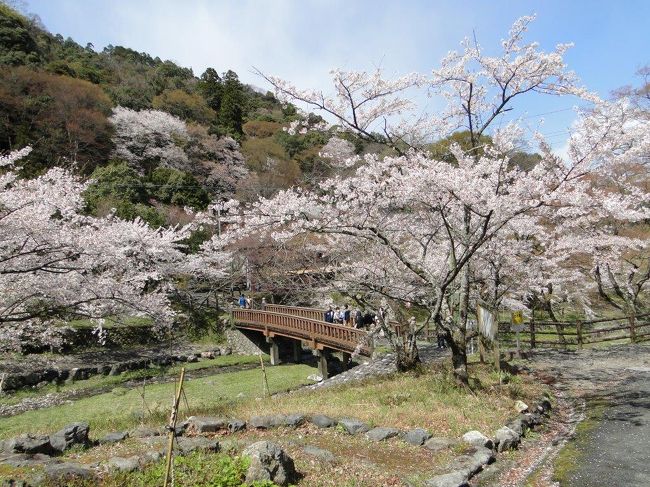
(197, 469)
(98, 382)
(110, 411)
(122, 321)
(426, 400)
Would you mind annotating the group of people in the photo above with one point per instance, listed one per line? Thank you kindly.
(245, 302)
(347, 317)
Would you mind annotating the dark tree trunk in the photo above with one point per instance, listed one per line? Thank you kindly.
(458, 345)
(407, 356)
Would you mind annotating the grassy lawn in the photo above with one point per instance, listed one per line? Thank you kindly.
(123, 408)
(427, 400)
(97, 382)
(113, 322)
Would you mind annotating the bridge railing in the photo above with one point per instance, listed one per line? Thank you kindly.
(311, 313)
(317, 314)
(338, 337)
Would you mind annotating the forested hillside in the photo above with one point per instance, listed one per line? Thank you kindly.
(152, 134)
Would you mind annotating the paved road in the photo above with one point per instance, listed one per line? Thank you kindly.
(617, 451)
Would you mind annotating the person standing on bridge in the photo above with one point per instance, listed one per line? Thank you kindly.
(329, 315)
(358, 318)
(242, 301)
(346, 316)
(338, 316)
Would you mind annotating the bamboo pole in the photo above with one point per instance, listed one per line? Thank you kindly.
(172, 429)
(265, 384)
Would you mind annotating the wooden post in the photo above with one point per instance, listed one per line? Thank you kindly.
(579, 333)
(632, 320)
(297, 351)
(497, 356)
(274, 351)
(532, 333)
(172, 429)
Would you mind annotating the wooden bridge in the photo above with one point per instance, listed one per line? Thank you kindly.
(303, 326)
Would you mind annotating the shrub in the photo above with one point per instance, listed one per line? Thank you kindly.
(185, 106)
(259, 128)
(178, 188)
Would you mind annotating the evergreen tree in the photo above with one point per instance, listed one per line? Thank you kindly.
(211, 88)
(231, 115)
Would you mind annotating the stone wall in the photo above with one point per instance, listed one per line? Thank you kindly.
(243, 345)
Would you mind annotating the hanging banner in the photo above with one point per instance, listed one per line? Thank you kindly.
(487, 322)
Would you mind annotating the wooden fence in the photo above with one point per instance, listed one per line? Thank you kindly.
(576, 334)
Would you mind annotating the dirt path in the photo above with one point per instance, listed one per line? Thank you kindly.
(609, 387)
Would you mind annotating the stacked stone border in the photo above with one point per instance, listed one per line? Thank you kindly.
(38, 378)
(29, 450)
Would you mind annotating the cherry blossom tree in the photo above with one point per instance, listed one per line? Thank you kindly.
(57, 263)
(597, 248)
(148, 137)
(407, 228)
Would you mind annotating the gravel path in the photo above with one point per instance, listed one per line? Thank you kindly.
(615, 452)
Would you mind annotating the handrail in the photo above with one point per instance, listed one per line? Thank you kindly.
(338, 337)
(314, 313)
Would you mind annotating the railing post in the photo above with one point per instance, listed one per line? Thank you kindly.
(579, 333)
(532, 333)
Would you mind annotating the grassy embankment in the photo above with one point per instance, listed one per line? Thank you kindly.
(427, 399)
(101, 382)
(123, 409)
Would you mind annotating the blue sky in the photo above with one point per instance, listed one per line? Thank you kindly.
(301, 40)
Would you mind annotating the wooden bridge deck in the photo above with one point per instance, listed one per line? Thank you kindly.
(306, 325)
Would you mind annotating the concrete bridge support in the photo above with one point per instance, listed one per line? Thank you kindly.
(283, 349)
(323, 357)
(274, 350)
